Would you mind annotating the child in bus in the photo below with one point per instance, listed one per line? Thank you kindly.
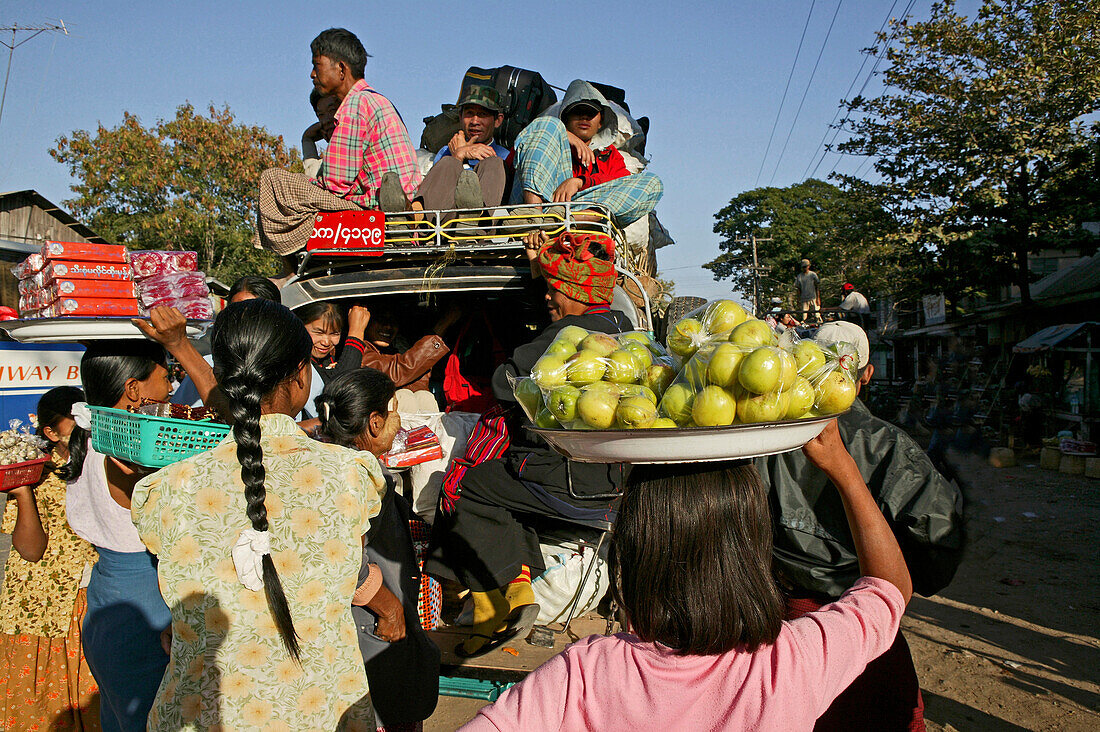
(707, 647)
(43, 601)
(324, 321)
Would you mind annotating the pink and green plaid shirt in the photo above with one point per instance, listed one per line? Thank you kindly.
(370, 140)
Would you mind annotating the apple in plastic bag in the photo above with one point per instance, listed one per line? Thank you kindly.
(676, 403)
(801, 398)
(562, 403)
(658, 377)
(545, 420)
(724, 362)
(713, 407)
(835, 393)
(585, 367)
(754, 408)
(600, 344)
(638, 390)
(641, 353)
(528, 395)
(753, 333)
(548, 372)
(723, 316)
(760, 370)
(572, 334)
(662, 423)
(635, 412)
(596, 408)
(809, 358)
(623, 367)
(684, 338)
(789, 372)
(561, 348)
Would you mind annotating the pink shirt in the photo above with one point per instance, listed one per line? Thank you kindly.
(621, 683)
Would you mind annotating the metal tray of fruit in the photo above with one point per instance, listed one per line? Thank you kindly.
(688, 445)
(75, 330)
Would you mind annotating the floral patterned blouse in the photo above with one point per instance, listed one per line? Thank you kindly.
(38, 597)
(228, 668)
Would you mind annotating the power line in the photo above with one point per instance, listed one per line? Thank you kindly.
(783, 99)
(16, 29)
(809, 83)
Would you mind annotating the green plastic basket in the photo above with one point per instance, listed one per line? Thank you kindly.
(151, 441)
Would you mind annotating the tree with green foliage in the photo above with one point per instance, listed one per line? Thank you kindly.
(979, 128)
(187, 183)
(847, 234)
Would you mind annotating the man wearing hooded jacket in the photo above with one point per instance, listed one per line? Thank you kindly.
(560, 159)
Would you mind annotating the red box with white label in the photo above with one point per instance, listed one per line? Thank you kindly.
(91, 306)
(84, 252)
(113, 289)
(348, 234)
(117, 271)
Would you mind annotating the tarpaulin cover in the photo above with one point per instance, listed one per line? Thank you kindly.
(1047, 338)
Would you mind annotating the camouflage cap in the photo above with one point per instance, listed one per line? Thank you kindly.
(482, 96)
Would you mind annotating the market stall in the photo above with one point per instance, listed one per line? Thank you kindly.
(1070, 355)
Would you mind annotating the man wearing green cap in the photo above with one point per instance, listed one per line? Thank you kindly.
(472, 170)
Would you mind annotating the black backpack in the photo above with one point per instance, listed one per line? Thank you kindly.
(523, 94)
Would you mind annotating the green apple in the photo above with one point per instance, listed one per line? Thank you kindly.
(596, 408)
(572, 334)
(809, 358)
(623, 367)
(760, 370)
(658, 377)
(723, 316)
(638, 390)
(605, 387)
(663, 423)
(528, 395)
(835, 393)
(600, 344)
(635, 412)
(694, 372)
(753, 333)
(548, 372)
(636, 336)
(584, 367)
(802, 398)
(684, 337)
(561, 348)
(759, 408)
(713, 407)
(724, 362)
(789, 371)
(545, 420)
(676, 403)
(562, 403)
(641, 353)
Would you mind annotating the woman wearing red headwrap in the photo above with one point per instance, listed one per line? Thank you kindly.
(483, 541)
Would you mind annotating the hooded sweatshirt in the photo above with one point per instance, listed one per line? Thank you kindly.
(609, 163)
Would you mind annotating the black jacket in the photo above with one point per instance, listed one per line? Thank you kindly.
(814, 550)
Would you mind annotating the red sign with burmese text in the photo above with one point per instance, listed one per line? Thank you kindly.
(348, 234)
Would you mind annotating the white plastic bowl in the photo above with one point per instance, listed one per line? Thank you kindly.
(75, 330)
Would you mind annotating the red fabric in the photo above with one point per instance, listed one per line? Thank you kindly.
(569, 266)
(886, 696)
(609, 165)
(488, 441)
(470, 393)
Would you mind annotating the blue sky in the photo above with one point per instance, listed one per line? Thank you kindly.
(709, 75)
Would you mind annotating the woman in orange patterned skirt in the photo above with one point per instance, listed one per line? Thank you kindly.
(45, 684)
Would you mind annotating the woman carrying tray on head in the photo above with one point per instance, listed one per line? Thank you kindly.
(260, 548)
(478, 538)
(43, 601)
(126, 613)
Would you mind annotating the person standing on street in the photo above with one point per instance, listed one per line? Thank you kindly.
(809, 293)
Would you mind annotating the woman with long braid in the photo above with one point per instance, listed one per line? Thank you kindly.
(260, 541)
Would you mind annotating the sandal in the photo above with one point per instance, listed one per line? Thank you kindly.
(519, 621)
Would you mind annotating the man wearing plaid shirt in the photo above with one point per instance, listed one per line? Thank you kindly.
(370, 139)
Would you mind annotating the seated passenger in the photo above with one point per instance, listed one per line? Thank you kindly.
(369, 141)
(478, 538)
(555, 161)
(410, 369)
(472, 171)
(324, 106)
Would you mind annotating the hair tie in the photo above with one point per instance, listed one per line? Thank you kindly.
(82, 415)
(326, 409)
(248, 554)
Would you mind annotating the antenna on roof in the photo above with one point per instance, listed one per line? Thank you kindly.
(15, 29)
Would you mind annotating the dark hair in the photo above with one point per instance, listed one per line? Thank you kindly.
(348, 401)
(259, 287)
(314, 97)
(340, 44)
(55, 405)
(692, 558)
(327, 312)
(105, 368)
(258, 345)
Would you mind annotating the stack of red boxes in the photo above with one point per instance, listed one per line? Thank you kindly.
(76, 279)
(172, 279)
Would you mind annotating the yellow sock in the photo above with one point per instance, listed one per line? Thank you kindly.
(490, 609)
(519, 590)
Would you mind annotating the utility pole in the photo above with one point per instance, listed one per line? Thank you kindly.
(755, 272)
(15, 29)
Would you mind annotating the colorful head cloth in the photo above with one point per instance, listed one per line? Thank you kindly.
(574, 271)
